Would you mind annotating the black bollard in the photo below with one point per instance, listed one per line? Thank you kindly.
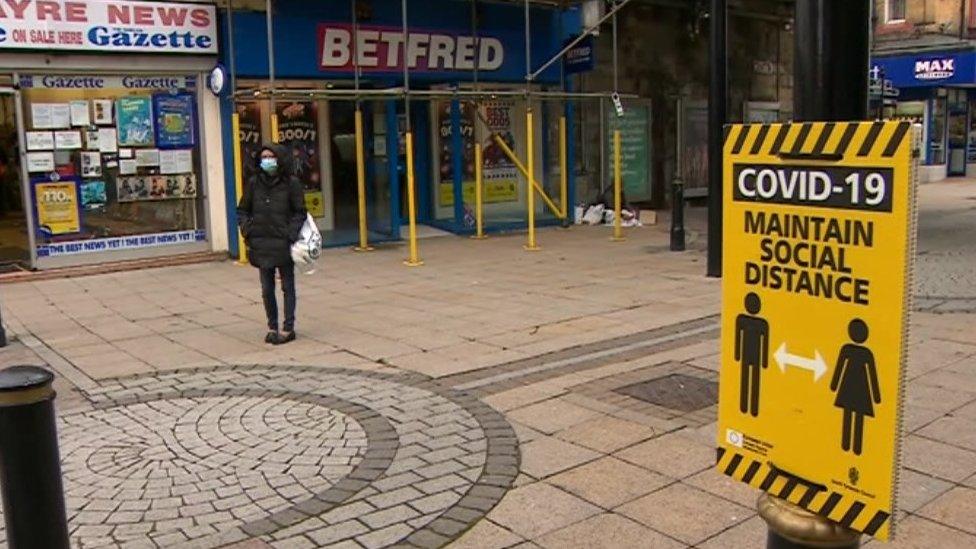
(30, 465)
(678, 216)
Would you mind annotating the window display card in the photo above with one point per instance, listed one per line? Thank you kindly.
(51, 116)
(127, 167)
(108, 140)
(110, 160)
(91, 164)
(103, 111)
(80, 115)
(40, 162)
(91, 140)
(147, 157)
(93, 195)
(178, 161)
(135, 121)
(67, 140)
(126, 153)
(40, 141)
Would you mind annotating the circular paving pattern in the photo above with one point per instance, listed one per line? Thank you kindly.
(295, 456)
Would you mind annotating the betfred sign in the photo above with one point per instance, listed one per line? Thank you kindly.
(108, 25)
(380, 49)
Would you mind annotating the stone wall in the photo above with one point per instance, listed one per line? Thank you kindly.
(663, 53)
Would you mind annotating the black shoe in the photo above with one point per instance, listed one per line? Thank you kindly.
(272, 338)
(287, 338)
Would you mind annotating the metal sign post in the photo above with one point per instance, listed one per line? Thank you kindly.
(819, 242)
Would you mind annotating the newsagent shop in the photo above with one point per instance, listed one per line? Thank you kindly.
(105, 149)
(450, 49)
(934, 89)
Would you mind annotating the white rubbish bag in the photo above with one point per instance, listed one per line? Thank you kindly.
(305, 253)
(594, 214)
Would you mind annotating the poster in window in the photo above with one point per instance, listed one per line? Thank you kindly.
(40, 141)
(108, 140)
(446, 153)
(67, 140)
(249, 120)
(51, 116)
(91, 164)
(174, 120)
(103, 112)
(93, 196)
(135, 121)
(499, 173)
(298, 133)
(80, 114)
(635, 148)
(57, 205)
(40, 162)
(156, 187)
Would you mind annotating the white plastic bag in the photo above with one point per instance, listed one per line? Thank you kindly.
(594, 215)
(306, 251)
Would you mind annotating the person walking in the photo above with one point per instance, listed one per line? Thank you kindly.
(270, 216)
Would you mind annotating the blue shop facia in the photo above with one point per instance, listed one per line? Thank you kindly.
(938, 90)
(314, 49)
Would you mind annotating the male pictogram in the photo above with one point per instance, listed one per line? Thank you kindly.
(752, 351)
(855, 381)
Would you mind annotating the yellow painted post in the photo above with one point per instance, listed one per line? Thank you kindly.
(238, 183)
(479, 191)
(618, 228)
(414, 260)
(274, 128)
(563, 169)
(530, 136)
(361, 184)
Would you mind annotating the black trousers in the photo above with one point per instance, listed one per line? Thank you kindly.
(271, 302)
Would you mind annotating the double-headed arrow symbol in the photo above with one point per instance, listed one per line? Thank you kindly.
(815, 364)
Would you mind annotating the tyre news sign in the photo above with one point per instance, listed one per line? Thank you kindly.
(108, 25)
(819, 227)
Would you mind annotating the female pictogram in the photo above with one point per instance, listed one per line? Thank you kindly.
(855, 381)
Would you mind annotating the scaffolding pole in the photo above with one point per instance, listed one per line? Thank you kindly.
(414, 259)
(269, 22)
(360, 145)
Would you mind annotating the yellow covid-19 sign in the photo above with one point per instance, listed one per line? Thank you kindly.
(819, 225)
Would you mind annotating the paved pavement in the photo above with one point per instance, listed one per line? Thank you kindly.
(493, 398)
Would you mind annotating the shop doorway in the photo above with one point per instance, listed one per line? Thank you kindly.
(345, 194)
(14, 243)
(958, 131)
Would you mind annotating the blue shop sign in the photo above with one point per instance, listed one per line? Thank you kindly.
(929, 69)
(581, 57)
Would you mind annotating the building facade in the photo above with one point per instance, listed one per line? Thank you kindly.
(452, 49)
(925, 50)
(110, 146)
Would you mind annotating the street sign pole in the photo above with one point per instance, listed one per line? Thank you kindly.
(718, 100)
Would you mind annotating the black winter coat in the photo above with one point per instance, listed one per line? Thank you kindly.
(271, 214)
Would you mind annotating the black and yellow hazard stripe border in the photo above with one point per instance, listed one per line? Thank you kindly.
(819, 140)
(838, 507)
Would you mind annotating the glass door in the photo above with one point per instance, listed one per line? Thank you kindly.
(14, 240)
(958, 131)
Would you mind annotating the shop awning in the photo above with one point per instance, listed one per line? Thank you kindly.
(928, 69)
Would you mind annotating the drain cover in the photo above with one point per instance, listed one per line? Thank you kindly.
(676, 391)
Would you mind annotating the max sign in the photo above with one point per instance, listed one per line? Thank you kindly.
(108, 25)
(935, 69)
(380, 49)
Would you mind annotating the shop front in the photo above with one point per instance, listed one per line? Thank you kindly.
(104, 140)
(449, 54)
(936, 90)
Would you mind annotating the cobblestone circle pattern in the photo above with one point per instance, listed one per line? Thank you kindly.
(299, 457)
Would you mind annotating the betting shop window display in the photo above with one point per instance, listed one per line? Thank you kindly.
(114, 163)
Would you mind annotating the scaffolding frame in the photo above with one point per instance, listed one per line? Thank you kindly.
(274, 94)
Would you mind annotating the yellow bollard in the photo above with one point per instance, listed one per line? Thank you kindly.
(361, 184)
(479, 217)
(275, 138)
(618, 229)
(563, 169)
(238, 183)
(530, 136)
(414, 260)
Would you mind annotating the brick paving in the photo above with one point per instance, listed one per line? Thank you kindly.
(477, 402)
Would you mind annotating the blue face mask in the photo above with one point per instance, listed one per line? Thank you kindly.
(269, 165)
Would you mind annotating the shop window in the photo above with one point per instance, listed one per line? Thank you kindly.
(894, 11)
(937, 132)
(114, 162)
